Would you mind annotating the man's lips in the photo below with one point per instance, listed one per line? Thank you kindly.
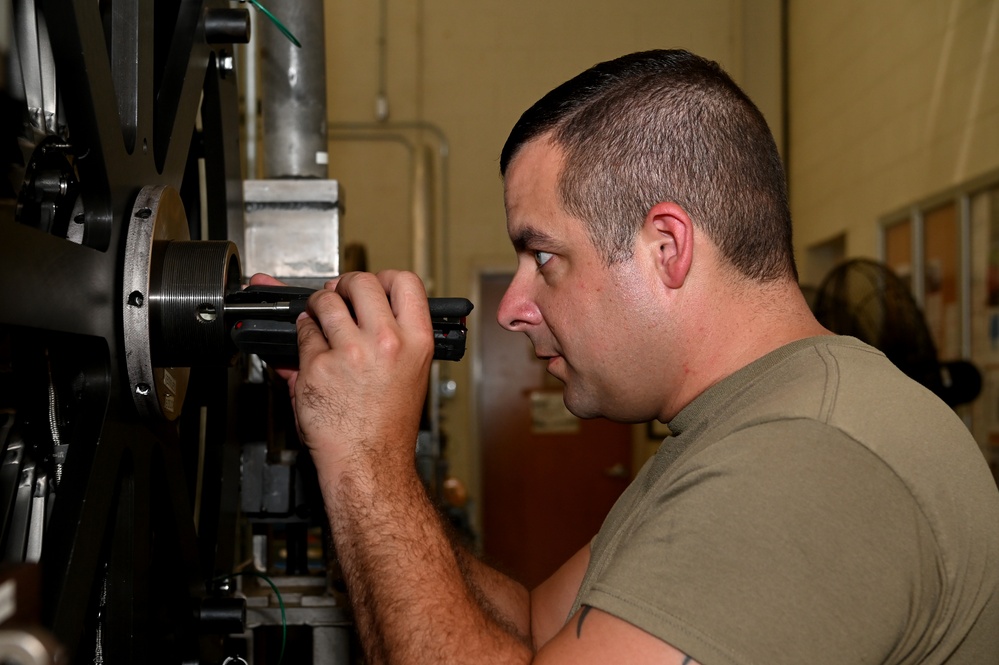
(548, 355)
(550, 359)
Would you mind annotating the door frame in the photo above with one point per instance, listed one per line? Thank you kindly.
(480, 270)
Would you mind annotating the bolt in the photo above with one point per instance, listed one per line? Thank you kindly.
(206, 312)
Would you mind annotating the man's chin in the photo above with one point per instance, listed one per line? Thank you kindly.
(577, 406)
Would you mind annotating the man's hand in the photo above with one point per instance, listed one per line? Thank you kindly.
(358, 395)
(362, 378)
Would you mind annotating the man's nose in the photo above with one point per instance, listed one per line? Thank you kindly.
(517, 310)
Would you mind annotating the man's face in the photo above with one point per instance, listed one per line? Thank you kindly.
(590, 321)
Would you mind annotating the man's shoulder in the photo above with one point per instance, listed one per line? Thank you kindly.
(798, 511)
(854, 390)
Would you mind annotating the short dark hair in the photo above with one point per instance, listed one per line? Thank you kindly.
(666, 125)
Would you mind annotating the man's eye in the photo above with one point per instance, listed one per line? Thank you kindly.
(542, 257)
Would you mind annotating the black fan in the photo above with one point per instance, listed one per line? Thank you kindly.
(867, 300)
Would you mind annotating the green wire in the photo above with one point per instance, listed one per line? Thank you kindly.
(275, 21)
(284, 620)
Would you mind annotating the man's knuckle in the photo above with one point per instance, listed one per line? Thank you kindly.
(389, 343)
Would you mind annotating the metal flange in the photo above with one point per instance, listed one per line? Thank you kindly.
(173, 292)
(157, 216)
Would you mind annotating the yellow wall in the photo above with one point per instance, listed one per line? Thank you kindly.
(470, 69)
(890, 102)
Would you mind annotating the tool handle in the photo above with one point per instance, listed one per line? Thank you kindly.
(271, 332)
(297, 298)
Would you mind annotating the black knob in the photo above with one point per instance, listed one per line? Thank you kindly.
(227, 26)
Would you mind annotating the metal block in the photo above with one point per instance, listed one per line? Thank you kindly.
(266, 488)
(297, 616)
(292, 229)
(330, 644)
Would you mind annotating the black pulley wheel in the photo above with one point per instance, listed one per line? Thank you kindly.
(133, 481)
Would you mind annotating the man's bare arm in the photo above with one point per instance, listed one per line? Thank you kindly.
(504, 599)
(358, 397)
(553, 598)
(593, 636)
(408, 591)
(536, 616)
(416, 599)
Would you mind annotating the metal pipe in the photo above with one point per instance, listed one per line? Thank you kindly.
(402, 131)
(422, 214)
(294, 100)
(248, 83)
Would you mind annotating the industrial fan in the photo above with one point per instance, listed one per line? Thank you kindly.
(867, 300)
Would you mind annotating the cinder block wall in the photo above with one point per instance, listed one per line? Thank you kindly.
(467, 70)
(890, 102)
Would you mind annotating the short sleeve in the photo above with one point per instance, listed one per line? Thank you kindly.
(784, 542)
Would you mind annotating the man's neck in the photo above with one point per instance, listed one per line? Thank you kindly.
(741, 326)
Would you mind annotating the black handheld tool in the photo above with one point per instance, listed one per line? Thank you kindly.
(262, 321)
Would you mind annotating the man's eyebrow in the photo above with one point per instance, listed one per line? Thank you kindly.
(530, 237)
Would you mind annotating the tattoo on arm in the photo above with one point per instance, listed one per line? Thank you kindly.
(687, 660)
(579, 624)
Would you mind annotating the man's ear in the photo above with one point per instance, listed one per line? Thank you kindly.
(668, 233)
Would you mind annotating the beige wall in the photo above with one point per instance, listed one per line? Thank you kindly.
(469, 69)
(890, 102)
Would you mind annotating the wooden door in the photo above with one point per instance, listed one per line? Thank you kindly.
(548, 478)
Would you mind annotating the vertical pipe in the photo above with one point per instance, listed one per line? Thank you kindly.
(964, 221)
(918, 257)
(422, 213)
(294, 92)
(248, 84)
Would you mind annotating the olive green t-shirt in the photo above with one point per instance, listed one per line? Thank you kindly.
(815, 507)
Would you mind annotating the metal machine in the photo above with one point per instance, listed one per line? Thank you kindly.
(124, 394)
(112, 442)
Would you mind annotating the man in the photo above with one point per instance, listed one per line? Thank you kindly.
(812, 506)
